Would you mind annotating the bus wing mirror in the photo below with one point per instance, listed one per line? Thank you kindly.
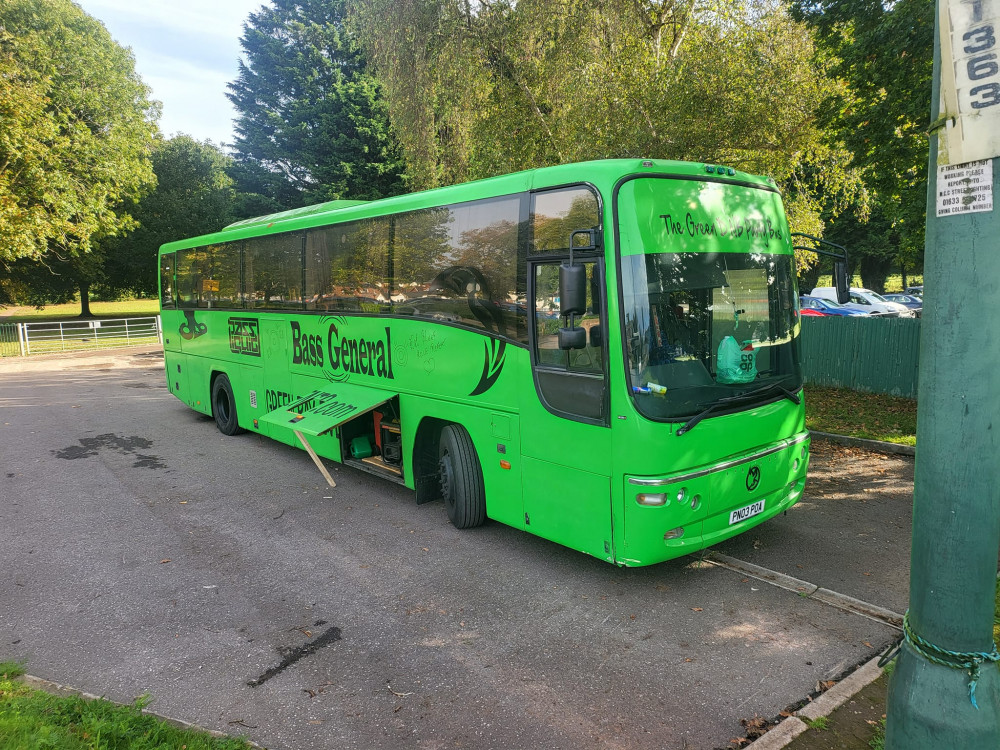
(840, 282)
(839, 255)
(572, 338)
(572, 289)
(596, 337)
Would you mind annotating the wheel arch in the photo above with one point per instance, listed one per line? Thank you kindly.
(425, 458)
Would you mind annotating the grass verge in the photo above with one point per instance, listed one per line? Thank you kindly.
(35, 719)
(71, 310)
(872, 416)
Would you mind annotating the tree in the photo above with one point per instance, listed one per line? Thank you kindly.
(496, 86)
(312, 124)
(194, 195)
(884, 53)
(76, 125)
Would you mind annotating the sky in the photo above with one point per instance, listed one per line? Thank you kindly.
(186, 51)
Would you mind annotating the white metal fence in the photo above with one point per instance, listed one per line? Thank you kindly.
(24, 339)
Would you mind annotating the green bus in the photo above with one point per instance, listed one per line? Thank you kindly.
(604, 354)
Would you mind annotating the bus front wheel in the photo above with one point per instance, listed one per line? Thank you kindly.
(461, 478)
(224, 406)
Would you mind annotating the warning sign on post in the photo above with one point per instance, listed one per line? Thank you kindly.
(965, 188)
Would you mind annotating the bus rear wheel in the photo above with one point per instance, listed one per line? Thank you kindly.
(224, 406)
(461, 478)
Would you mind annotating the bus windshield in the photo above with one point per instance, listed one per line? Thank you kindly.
(705, 326)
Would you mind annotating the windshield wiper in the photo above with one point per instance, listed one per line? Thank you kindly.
(776, 386)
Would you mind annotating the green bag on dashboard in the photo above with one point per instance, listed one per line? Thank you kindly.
(735, 363)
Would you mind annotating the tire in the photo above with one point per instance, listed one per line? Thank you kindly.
(224, 407)
(461, 478)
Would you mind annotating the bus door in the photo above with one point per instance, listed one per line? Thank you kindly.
(169, 322)
(565, 440)
(278, 389)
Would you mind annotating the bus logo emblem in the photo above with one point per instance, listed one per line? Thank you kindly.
(244, 336)
(753, 478)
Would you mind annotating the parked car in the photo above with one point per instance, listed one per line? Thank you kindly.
(917, 291)
(820, 306)
(908, 300)
(866, 299)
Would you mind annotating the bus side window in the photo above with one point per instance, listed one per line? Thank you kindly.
(189, 276)
(273, 270)
(167, 298)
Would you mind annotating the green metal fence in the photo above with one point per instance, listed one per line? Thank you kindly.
(862, 353)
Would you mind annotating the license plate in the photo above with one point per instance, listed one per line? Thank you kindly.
(742, 514)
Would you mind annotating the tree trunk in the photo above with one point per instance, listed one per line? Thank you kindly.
(874, 271)
(85, 300)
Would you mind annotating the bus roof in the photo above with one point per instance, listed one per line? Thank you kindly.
(601, 173)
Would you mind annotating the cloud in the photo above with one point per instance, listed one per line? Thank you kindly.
(186, 51)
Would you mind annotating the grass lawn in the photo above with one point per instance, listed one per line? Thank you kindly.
(71, 310)
(864, 415)
(35, 719)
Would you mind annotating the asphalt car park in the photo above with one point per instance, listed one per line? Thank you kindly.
(145, 552)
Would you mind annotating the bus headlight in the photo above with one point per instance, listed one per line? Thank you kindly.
(674, 534)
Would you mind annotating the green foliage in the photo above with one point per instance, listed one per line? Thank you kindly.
(31, 719)
(11, 669)
(194, 195)
(494, 87)
(76, 124)
(821, 723)
(883, 52)
(312, 123)
(877, 742)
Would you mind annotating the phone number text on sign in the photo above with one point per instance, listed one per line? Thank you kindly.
(965, 188)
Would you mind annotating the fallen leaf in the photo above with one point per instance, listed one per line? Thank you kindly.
(868, 644)
(166, 560)
(696, 609)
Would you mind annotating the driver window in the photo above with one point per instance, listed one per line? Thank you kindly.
(547, 323)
